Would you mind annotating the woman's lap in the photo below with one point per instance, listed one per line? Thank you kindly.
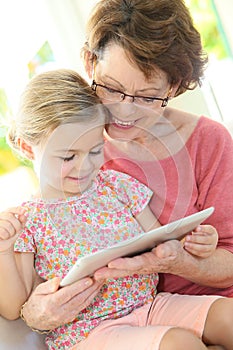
(144, 328)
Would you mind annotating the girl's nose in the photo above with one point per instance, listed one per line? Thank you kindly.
(84, 163)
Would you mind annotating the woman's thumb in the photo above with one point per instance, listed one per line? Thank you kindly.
(48, 287)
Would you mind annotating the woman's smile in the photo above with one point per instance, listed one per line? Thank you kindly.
(122, 124)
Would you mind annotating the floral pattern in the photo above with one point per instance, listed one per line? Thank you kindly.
(61, 231)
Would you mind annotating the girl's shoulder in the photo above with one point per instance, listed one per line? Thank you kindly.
(125, 188)
(114, 177)
(121, 183)
(35, 208)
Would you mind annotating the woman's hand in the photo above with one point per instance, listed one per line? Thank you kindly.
(49, 307)
(167, 257)
(202, 242)
(11, 223)
(172, 257)
(163, 258)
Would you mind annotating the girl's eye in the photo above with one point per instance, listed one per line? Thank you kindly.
(67, 159)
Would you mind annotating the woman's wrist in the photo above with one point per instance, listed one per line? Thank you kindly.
(47, 331)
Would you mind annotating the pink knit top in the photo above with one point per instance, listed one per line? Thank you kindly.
(199, 175)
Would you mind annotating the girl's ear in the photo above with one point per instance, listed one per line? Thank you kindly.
(26, 149)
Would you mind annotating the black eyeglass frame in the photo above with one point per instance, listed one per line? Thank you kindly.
(164, 103)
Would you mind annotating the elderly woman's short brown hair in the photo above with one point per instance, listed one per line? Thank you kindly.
(154, 33)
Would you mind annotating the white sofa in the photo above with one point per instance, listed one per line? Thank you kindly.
(15, 335)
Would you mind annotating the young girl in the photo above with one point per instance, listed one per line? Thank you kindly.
(81, 209)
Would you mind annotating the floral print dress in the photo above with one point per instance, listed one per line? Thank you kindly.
(59, 232)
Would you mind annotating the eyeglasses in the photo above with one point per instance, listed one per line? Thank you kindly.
(113, 95)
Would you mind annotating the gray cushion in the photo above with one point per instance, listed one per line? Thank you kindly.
(16, 335)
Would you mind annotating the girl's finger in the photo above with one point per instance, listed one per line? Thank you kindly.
(200, 238)
(10, 225)
(13, 211)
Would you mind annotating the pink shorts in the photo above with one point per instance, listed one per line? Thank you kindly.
(144, 328)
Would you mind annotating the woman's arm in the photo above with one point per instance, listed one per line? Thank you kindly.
(171, 257)
(215, 271)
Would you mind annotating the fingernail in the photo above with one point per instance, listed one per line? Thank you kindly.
(88, 282)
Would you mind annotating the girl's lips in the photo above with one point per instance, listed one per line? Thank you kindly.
(80, 178)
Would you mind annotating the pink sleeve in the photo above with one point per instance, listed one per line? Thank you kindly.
(214, 173)
(130, 191)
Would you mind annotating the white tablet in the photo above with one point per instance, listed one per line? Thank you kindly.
(87, 265)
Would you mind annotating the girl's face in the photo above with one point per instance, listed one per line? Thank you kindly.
(129, 120)
(70, 160)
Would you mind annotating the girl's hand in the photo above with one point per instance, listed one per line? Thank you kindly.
(11, 223)
(202, 242)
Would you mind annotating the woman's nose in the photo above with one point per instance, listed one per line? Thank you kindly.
(123, 109)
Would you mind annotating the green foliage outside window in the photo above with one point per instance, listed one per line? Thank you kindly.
(9, 161)
(208, 24)
(43, 56)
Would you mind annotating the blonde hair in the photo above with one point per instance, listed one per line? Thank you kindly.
(50, 99)
(153, 33)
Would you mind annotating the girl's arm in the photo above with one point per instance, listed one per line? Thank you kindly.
(201, 242)
(147, 220)
(16, 269)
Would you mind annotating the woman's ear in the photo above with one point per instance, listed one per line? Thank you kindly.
(26, 149)
(88, 63)
(172, 91)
